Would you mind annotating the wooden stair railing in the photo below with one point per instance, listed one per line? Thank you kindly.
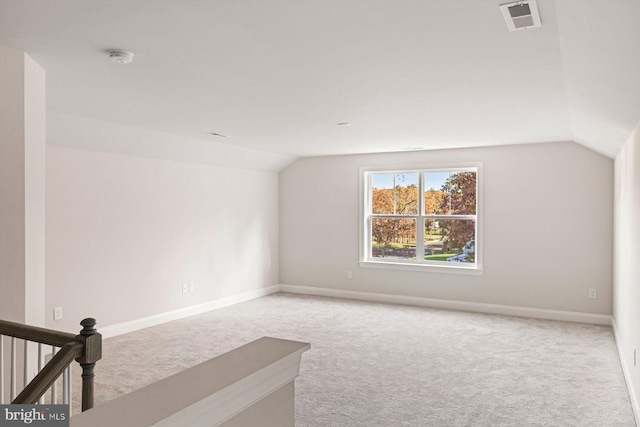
(85, 348)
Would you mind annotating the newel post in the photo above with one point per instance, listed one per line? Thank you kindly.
(92, 341)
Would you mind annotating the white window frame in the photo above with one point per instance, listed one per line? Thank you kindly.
(365, 258)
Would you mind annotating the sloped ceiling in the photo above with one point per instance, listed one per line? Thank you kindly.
(279, 75)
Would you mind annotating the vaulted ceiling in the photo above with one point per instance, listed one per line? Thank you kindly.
(279, 75)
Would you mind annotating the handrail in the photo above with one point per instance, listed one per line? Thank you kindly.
(85, 348)
(49, 374)
(35, 334)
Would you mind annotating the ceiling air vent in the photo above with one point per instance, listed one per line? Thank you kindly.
(521, 15)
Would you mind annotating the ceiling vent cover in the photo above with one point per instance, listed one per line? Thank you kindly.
(521, 15)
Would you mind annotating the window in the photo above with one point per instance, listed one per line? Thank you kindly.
(421, 218)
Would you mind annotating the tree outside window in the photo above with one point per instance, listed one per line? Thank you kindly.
(426, 216)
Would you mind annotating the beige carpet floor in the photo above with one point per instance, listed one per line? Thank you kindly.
(390, 365)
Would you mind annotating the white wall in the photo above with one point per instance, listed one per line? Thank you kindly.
(123, 233)
(548, 226)
(35, 189)
(626, 288)
(12, 176)
(22, 187)
(22, 194)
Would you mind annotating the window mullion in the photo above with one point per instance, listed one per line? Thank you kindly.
(467, 217)
(420, 220)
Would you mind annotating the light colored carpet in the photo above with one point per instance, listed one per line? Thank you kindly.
(390, 365)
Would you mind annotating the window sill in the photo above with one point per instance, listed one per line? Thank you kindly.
(455, 269)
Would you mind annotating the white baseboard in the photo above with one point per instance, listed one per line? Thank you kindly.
(157, 319)
(539, 313)
(633, 396)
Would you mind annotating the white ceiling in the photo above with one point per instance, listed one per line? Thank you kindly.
(278, 75)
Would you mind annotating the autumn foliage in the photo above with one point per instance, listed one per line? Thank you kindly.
(457, 196)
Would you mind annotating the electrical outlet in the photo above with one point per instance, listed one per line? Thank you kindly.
(185, 288)
(593, 294)
(349, 275)
(57, 313)
(192, 286)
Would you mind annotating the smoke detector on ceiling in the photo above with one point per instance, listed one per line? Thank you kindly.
(521, 15)
(120, 56)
